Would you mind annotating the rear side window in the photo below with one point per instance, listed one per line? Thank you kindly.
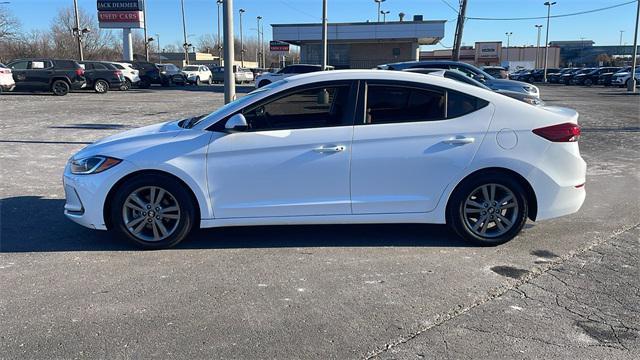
(459, 104)
(118, 66)
(66, 64)
(397, 104)
(99, 66)
(40, 64)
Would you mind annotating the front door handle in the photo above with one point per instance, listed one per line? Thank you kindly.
(330, 149)
(459, 141)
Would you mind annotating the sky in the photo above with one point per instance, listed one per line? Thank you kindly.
(163, 17)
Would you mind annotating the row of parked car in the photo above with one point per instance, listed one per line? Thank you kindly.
(605, 75)
(60, 76)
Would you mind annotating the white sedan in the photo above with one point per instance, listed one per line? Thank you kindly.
(354, 146)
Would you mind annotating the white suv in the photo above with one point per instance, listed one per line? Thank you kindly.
(6, 79)
(131, 75)
(268, 78)
(622, 78)
(197, 74)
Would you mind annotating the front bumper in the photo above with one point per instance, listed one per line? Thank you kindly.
(86, 194)
(617, 81)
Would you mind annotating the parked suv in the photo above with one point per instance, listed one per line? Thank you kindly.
(149, 73)
(290, 70)
(55, 75)
(197, 74)
(469, 70)
(131, 75)
(622, 78)
(102, 76)
(591, 77)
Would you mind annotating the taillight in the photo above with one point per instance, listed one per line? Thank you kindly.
(5, 71)
(566, 132)
(80, 72)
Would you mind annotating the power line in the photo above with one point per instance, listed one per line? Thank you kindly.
(287, 4)
(450, 6)
(554, 16)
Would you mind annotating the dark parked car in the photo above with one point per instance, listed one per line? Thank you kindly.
(537, 75)
(569, 78)
(591, 77)
(102, 76)
(605, 78)
(469, 70)
(497, 72)
(55, 75)
(171, 74)
(555, 78)
(149, 73)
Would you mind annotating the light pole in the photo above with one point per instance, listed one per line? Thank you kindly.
(581, 48)
(241, 11)
(325, 45)
(384, 15)
(631, 87)
(546, 42)
(379, 2)
(259, 51)
(538, 47)
(262, 49)
(146, 41)
(158, 41)
(508, 48)
(79, 33)
(219, 2)
(229, 78)
(186, 44)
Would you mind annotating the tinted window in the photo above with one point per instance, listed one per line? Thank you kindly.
(66, 64)
(118, 66)
(312, 108)
(395, 104)
(40, 64)
(20, 65)
(459, 104)
(99, 66)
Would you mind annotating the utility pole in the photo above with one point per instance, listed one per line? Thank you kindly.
(158, 40)
(185, 46)
(632, 83)
(508, 46)
(546, 42)
(324, 35)
(219, 2)
(457, 41)
(241, 11)
(77, 30)
(538, 48)
(229, 78)
(379, 2)
(259, 50)
(146, 38)
(262, 49)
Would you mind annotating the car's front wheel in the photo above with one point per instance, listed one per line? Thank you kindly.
(153, 211)
(488, 210)
(126, 85)
(101, 87)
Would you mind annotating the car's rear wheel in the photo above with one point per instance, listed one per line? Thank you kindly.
(126, 85)
(488, 210)
(198, 82)
(153, 211)
(101, 86)
(60, 88)
(588, 82)
(210, 82)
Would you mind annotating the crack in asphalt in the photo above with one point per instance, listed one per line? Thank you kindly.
(496, 292)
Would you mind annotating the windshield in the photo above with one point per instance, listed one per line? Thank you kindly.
(241, 102)
(190, 68)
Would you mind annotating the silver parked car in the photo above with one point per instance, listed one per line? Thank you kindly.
(241, 75)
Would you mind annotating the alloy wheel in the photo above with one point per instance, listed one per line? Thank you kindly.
(151, 213)
(491, 210)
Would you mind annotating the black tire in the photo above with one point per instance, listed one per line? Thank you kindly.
(588, 82)
(264, 83)
(176, 191)
(101, 86)
(126, 85)
(210, 82)
(167, 82)
(60, 88)
(516, 214)
(198, 82)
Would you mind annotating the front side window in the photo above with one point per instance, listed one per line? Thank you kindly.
(397, 104)
(311, 108)
(20, 65)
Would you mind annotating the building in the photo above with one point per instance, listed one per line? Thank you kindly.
(492, 53)
(360, 45)
(585, 53)
(195, 58)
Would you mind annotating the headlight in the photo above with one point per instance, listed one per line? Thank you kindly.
(92, 165)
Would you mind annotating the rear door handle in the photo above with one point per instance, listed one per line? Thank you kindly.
(459, 141)
(330, 149)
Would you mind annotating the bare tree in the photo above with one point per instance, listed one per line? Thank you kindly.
(9, 25)
(97, 44)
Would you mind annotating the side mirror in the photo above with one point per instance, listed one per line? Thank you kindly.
(236, 123)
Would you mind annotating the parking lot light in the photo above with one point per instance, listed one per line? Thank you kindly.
(546, 42)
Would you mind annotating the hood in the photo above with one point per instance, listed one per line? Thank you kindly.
(123, 144)
(512, 85)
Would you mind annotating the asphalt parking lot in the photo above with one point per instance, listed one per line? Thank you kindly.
(567, 288)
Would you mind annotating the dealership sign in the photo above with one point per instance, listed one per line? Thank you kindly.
(121, 14)
(278, 46)
(488, 50)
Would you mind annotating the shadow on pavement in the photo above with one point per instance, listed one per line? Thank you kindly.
(34, 224)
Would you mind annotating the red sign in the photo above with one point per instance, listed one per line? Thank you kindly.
(120, 16)
(278, 46)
